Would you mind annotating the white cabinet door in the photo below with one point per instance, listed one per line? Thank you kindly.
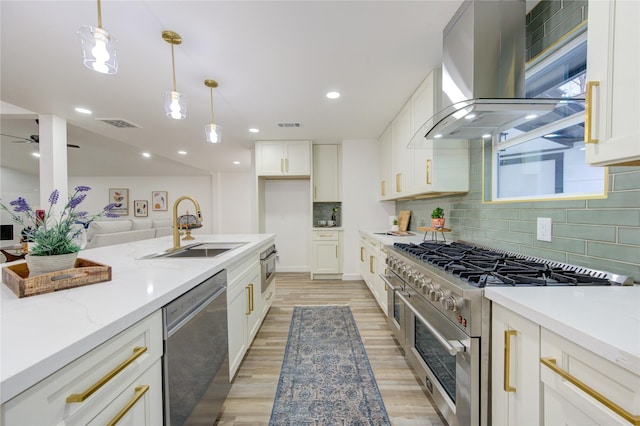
(298, 158)
(326, 173)
(613, 91)
(515, 379)
(325, 257)
(581, 388)
(270, 158)
(237, 307)
(401, 160)
(384, 145)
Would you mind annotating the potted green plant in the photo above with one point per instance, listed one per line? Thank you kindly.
(437, 218)
(54, 234)
(394, 227)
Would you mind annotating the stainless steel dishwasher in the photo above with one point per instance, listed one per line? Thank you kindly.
(196, 354)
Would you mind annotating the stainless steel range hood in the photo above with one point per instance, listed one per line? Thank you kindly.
(483, 70)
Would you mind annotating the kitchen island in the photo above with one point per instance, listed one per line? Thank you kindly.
(42, 334)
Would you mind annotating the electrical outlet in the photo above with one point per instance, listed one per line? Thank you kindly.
(544, 229)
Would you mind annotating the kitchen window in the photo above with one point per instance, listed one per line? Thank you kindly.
(544, 157)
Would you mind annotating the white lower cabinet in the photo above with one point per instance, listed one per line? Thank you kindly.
(120, 382)
(244, 309)
(515, 376)
(372, 264)
(326, 253)
(581, 388)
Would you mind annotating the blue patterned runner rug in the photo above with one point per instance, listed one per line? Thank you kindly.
(326, 378)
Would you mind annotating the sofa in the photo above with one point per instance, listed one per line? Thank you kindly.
(102, 233)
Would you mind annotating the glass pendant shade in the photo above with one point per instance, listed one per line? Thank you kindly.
(212, 133)
(98, 49)
(175, 105)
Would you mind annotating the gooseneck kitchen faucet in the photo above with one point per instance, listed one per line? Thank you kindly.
(176, 231)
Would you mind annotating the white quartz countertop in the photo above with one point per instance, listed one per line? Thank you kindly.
(387, 240)
(41, 334)
(604, 320)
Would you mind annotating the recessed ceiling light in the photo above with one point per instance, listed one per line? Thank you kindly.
(486, 136)
(36, 154)
(333, 95)
(82, 110)
(470, 116)
(236, 162)
(146, 154)
(437, 136)
(182, 152)
(530, 116)
(254, 130)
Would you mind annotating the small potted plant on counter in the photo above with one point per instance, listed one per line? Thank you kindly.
(437, 218)
(394, 227)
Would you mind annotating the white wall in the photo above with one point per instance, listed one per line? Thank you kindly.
(360, 206)
(287, 213)
(235, 204)
(140, 188)
(14, 184)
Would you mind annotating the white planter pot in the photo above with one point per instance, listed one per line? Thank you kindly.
(39, 265)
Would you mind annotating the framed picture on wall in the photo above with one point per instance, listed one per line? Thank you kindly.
(141, 208)
(120, 197)
(159, 200)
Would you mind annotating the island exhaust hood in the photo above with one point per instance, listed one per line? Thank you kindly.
(483, 68)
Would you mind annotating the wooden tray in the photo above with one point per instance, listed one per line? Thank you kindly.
(85, 272)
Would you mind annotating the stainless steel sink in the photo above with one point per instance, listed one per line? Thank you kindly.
(197, 250)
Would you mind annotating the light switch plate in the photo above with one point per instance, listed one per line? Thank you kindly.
(544, 229)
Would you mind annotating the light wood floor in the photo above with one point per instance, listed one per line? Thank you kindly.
(251, 397)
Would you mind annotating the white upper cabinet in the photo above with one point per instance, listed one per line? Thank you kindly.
(401, 167)
(612, 132)
(384, 145)
(326, 173)
(441, 167)
(283, 158)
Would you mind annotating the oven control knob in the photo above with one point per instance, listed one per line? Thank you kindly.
(428, 287)
(449, 303)
(408, 273)
(419, 280)
(436, 294)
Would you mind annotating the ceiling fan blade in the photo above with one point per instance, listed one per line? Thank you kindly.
(70, 145)
(22, 140)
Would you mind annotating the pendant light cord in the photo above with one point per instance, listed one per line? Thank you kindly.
(173, 66)
(99, 15)
(212, 122)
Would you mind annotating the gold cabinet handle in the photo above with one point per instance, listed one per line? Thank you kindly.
(399, 182)
(588, 112)
(81, 397)
(315, 192)
(336, 251)
(383, 191)
(507, 359)
(631, 418)
(140, 391)
(282, 165)
(325, 235)
(428, 171)
(252, 295)
(371, 259)
(286, 165)
(248, 300)
(361, 254)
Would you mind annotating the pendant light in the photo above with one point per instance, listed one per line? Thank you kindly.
(98, 47)
(175, 104)
(211, 130)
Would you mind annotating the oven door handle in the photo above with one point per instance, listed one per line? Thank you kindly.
(388, 283)
(452, 346)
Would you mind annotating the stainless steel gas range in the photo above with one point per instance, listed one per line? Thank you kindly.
(441, 319)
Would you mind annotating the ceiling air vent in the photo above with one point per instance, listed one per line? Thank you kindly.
(290, 124)
(119, 123)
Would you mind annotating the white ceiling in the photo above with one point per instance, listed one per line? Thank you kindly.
(274, 62)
